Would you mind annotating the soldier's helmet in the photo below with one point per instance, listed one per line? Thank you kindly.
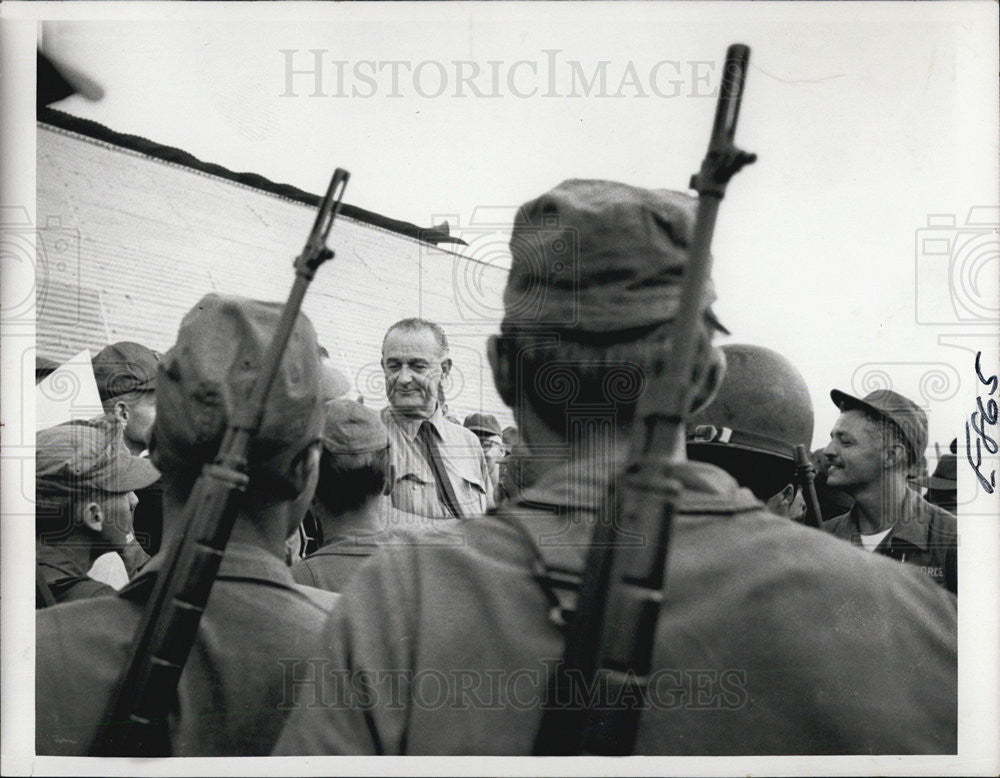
(751, 428)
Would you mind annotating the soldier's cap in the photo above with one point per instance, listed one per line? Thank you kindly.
(600, 257)
(81, 456)
(485, 423)
(762, 406)
(123, 368)
(944, 477)
(351, 428)
(210, 373)
(908, 417)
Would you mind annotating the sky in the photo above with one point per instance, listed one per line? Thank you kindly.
(867, 123)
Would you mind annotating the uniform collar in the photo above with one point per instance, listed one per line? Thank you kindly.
(410, 427)
(912, 525)
(583, 484)
(242, 561)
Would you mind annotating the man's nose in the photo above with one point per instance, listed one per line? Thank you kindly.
(404, 376)
(829, 451)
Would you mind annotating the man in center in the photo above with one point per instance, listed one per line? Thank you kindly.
(439, 467)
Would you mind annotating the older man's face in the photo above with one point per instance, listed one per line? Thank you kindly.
(413, 366)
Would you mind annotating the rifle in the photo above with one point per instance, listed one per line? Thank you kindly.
(610, 640)
(805, 476)
(137, 713)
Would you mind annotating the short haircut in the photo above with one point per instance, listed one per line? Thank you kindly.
(557, 373)
(347, 481)
(415, 324)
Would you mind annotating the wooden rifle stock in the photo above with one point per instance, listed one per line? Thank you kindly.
(805, 477)
(609, 645)
(137, 714)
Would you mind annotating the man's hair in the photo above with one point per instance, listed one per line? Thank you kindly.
(347, 481)
(889, 434)
(557, 373)
(414, 324)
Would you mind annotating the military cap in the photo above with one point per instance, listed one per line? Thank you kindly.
(945, 475)
(599, 257)
(80, 456)
(483, 423)
(908, 417)
(211, 371)
(123, 368)
(351, 428)
(762, 405)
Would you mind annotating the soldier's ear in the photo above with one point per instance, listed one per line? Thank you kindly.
(92, 517)
(503, 374)
(895, 457)
(709, 386)
(121, 412)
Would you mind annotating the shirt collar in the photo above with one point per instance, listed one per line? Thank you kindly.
(410, 427)
(911, 525)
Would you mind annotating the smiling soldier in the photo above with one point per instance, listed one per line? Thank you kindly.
(873, 446)
(439, 467)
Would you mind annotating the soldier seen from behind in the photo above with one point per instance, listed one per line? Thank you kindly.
(773, 638)
(229, 699)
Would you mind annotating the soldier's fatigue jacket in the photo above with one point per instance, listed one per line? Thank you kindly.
(774, 639)
(232, 687)
(67, 581)
(415, 488)
(333, 565)
(924, 535)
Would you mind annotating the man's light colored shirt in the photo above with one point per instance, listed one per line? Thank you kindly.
(415, 489)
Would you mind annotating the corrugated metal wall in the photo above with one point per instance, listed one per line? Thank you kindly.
(128, 243)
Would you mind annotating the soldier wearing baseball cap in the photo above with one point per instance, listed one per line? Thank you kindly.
(125, 373)
(230, 694)
(490, 435)
(594, 286)
(875, 444)
(750, 430)
(85, 484)
(126, 381)
(354, 478)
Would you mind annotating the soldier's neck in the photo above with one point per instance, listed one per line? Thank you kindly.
(258, 523)
(365, 520)
(879, 504)
(588, 434)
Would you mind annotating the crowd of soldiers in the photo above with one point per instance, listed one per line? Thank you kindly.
(391, 583)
